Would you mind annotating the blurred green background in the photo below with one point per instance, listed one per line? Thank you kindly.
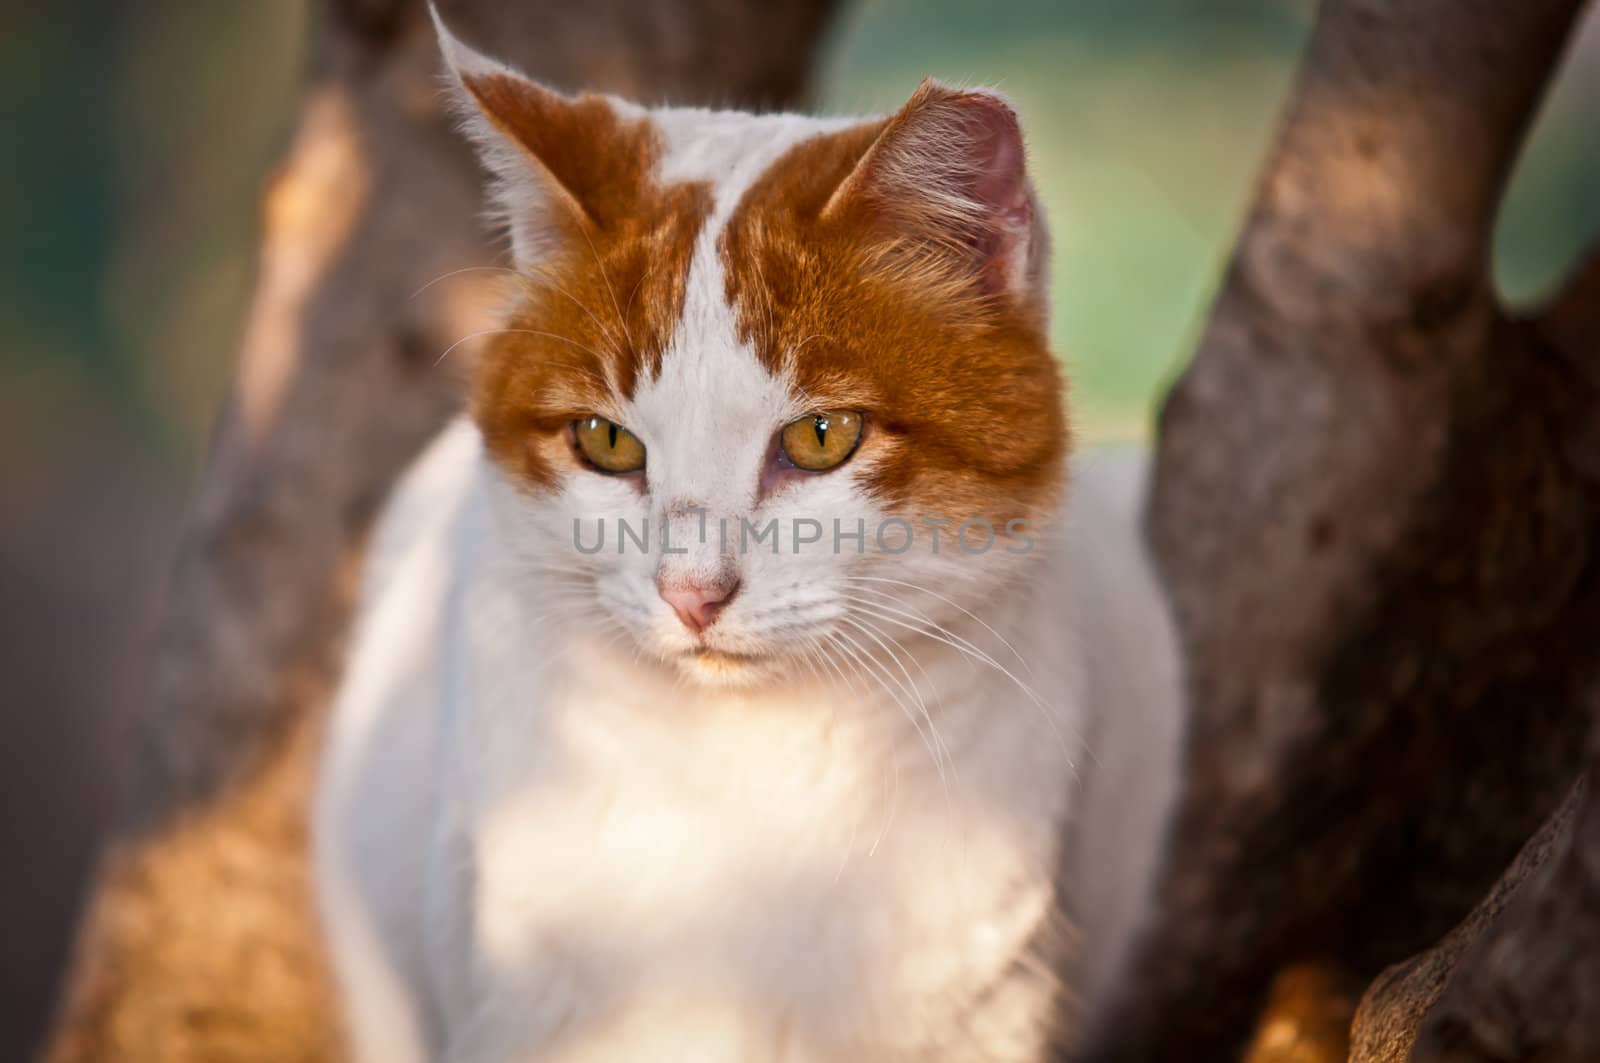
(139, 134)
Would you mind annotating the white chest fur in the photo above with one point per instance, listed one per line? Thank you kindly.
(780, 876)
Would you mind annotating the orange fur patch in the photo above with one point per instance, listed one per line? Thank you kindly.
(962, 394)
(834, 280)
(599, 313)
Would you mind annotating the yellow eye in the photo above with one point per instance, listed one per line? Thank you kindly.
(610, 447)
(822, 440)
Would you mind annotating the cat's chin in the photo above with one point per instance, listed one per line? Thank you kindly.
(721, 668)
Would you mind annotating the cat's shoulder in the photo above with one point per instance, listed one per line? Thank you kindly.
(1107, 560)
(426, 502)
(1110, 482)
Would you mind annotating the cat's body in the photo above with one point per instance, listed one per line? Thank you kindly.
(548, 851)
(697, 799)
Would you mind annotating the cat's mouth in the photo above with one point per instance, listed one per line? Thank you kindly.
(722, 667)
(713, 657)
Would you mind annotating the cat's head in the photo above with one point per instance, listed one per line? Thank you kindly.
(755, 360)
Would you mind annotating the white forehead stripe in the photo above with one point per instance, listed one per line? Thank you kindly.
(730, 150)
(713, 406)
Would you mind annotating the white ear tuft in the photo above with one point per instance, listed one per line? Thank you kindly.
(461, 59)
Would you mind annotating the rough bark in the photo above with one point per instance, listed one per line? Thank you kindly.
(1392, 1013)
(1529, 987)
(1377, 501)
(1517, 978)
(198, 942)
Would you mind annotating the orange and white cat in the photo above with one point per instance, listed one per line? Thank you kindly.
(743, 681)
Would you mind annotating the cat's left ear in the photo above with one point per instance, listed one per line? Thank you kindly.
(559, 163)
(947, 175)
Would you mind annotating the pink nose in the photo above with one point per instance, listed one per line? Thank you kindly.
(697, 604)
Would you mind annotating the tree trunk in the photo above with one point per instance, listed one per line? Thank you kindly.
(1377, 501)
(1519, 979)
(198, 942)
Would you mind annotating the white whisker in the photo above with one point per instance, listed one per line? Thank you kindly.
(512, 331)
(465, 269)
(956, 605)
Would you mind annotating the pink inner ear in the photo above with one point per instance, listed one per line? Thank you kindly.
(949, 169)
(997, 180)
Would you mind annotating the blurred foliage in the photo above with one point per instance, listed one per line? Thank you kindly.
(143, 131)
(1552, 211)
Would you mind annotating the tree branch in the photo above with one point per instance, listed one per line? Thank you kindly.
(1529, 987)
(1400, 138)
(1392, 1012)
(1515, 979)
(1380, 551)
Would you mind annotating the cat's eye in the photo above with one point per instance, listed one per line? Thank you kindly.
(820, 441)
(609, 447)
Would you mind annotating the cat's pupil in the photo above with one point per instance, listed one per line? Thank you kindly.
(821, 426)
(613, 437)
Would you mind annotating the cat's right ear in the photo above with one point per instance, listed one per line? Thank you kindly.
(947, 178)
(552, 157)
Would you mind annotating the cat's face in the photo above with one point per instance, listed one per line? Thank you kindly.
(755, 362)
